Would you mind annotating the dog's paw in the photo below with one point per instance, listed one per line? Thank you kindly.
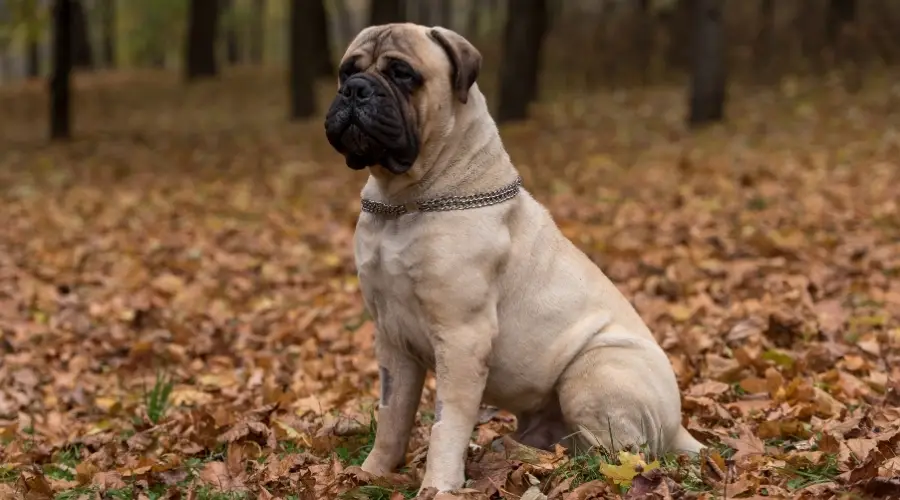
(433, 493)
(427, 493)
(375, 467)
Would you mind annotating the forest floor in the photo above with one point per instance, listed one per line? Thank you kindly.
(180, 315)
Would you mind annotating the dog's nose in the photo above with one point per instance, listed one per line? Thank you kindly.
(358, 90)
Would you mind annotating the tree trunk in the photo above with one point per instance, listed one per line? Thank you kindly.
(322, 62)
(844, 40)
(809, 29)
(519, 71)
(157, 59)
(302, 51)
(386, 11)
(82, 56)
(840, 14)
(763, 51)
(707, 89)
(422, 12)
(60, 105)
(257, 28)
(344, 23)
(34, 59)
(643, 39)
(445, 14)
(472, 20)
(108, 10)
(203, 18)
(232, 47)
(678, 21)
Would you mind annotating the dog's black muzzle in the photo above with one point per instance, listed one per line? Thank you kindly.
(365, 123)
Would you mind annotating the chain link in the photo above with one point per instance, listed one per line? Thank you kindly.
(446, 203)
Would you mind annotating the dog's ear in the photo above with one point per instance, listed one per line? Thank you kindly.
(464, 58)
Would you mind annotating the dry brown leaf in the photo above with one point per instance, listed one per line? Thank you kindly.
(708, 388)
(586, 491)
(108, 480)
(746, 444)
(218, 476)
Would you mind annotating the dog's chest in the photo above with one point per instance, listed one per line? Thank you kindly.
(388, 260)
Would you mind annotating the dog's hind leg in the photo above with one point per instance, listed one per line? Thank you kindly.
(543, 428)
(621, 393)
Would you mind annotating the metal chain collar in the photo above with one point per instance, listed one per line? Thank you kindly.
(446, 203)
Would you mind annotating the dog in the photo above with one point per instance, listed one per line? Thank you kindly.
(466, 274)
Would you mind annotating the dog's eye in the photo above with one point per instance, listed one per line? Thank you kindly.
(402, 72)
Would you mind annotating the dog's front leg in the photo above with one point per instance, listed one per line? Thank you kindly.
(401, 379)
(461, 374)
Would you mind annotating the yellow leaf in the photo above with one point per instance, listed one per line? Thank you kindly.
(168, 283)
(779, 358)
(97, 428)
(219, 380)
(331, 260)
(619, 474)
(106, 403)
(293, 434)
(188, 396)
(680, 312)
(631, 466)
(40, 317)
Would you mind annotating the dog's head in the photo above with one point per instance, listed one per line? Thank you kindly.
(399, 85)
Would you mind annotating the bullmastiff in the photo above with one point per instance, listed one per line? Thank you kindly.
(466, 274)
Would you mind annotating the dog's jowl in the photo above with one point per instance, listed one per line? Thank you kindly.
(466, 274)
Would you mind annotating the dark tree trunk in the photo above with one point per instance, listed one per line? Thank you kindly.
(257, 28)
(841, 13)
(445, 14)
(60, 105)
(232, 51)
(232, 48)
(811, 41)
(386, 11)
(157, 59)
(346, 31)
(763, 51)
(844, 39)
(82, 56)
(679, 29)
(34, 59)
(203, 18)
(472, 21)
(519, 71)
(422, 12)
(109, 32)
(707, 89)
(554, 12)
(643, 38)
(323, 63)
(302, 51)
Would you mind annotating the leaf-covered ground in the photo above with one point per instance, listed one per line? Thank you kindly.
(180, 315)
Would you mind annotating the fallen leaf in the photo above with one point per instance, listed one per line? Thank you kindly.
(630, 465)
(746, 444)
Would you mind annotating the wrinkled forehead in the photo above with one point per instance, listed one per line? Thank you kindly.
(405, 41)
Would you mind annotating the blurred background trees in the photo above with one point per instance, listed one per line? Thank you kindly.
(200, 57)
(558, 46)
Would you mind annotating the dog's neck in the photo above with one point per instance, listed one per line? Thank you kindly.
(469, 160)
